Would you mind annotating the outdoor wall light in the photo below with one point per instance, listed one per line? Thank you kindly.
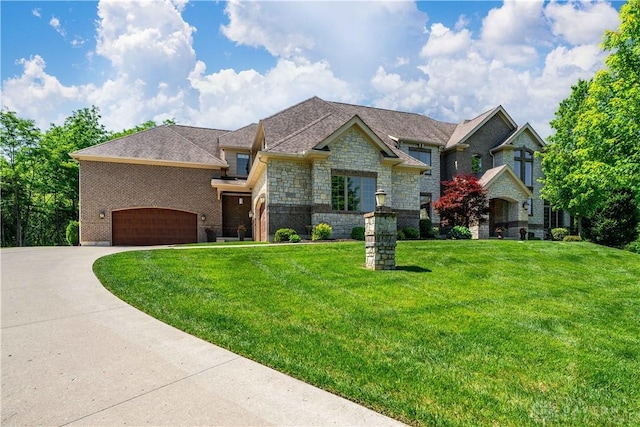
(251, 214)
(203, 217)
(101, 214)
(380, 197)
(240, 201)
(525, 205)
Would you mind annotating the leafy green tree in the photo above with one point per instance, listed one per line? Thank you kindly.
(595, 151)
(149, 124)
(616, 223)
(560, 162)
(19, 139)
(61, 173)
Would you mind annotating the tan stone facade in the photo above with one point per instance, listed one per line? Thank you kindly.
(106, 187)
(299, 191)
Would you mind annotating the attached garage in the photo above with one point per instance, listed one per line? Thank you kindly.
(153, 226)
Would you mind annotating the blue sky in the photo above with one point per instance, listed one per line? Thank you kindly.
(227, 64)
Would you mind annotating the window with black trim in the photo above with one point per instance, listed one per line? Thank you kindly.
(523, 166)
(242, 164)
(476, 163)
(422, 154)
(353, 193)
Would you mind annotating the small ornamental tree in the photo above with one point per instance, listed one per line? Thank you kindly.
(464, 201)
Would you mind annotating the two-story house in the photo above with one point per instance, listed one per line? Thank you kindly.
(317, 161)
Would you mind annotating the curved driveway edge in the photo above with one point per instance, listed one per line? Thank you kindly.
(73, 353)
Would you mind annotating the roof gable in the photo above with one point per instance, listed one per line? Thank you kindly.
(514, 136)
(467, 128)
(358, 123)
(401, 125)
(493, 175)
(241, 138)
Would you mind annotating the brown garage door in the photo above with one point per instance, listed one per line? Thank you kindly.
(152, 226)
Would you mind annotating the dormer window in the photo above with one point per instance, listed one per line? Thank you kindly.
(422, 154)
(242, 164)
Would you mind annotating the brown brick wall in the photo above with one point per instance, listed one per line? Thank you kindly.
(113, 186)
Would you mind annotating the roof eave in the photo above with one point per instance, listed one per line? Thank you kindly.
(150, 162)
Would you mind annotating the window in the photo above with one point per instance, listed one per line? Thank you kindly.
(353, 193)
(476, 163)
(425, 205)
(422, 154)
(530, 208)
(552, 218)
(523, 166)
(242, 164)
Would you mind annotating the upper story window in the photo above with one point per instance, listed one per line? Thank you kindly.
(523, 166)
(476, 163)
(422, 154)
(242, 164)
(353, 193)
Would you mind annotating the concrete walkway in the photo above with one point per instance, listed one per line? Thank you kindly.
(72, 353)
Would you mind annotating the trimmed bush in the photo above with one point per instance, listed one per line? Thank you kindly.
(460, 233)
(633, 247)
(73, 233)
(357, 233)
(572, 239)
(426, 229)
(559, 233)
(294, 238)
(321, 231)
(284, 234)
(400, 235)
(411, 232)
(615, 224)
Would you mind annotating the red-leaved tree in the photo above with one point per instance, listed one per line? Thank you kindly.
(464, 201)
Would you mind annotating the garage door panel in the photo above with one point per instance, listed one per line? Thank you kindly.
(153, 226)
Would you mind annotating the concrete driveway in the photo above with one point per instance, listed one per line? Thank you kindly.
(72, 353)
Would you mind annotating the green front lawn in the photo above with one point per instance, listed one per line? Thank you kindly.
(462, 333)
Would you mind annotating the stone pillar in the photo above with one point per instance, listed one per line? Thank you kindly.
(480, 231)
(380, 232)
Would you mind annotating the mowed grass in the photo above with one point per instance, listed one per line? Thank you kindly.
(462, 333)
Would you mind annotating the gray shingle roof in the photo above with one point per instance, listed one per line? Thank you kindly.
(241, 138)
(465, 127)
(291, 120)
(172, 143)
(402, 125)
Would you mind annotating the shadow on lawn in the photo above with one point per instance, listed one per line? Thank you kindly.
(412, 269)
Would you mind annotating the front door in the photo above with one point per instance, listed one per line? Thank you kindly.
(235, 211)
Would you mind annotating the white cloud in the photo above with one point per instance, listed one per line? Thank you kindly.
(55, 23)
(525, 56)
(581, 22)
(444, 42)
(510, 63)
(352, 37)
(229, 97)
(514, 32)
(36, 12)
(38, 95)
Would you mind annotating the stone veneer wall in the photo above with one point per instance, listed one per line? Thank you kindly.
(290, 197)
(536, 221)
(112, 186)
(354, 152)
(430, 183)
(299, 194)
(504, 188)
